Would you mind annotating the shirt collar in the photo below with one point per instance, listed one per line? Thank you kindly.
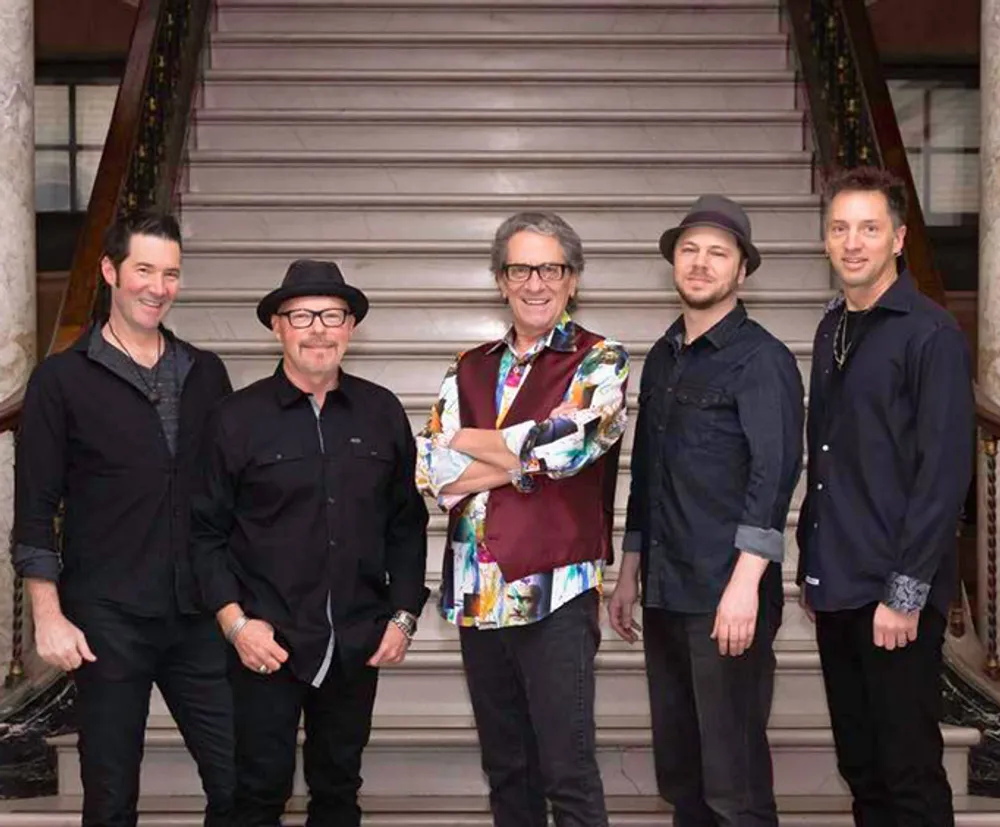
(561, 338)
(288, 394)
(719, 335)
(898, 298)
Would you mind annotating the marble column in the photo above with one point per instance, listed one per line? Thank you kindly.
(989, 245)
(17, 252)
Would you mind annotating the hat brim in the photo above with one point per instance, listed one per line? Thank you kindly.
(357, 301)
(669, 240)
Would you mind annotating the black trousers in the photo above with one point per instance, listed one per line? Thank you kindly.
(532, 689)
(186, 658)
(709, 715)
(885, 708)
(338, 719)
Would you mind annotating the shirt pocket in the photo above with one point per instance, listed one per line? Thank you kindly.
(276, 474)
(701, 415)
(371, 463)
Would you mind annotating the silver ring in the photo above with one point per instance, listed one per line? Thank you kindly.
(262, 669)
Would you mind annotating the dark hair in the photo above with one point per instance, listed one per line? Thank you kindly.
(870, 179)
(118, 237)
(118, 240)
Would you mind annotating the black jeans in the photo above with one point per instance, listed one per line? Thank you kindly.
(885, 708)
(186, 658)
(532, 690)
(338, 719)
(709, 715)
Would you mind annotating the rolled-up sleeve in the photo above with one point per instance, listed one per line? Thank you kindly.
(40, 477)
(437, 465)
(942, 382)
(771, 409)
(564, 445)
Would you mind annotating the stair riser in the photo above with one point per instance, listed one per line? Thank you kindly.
(332, 224)
(455, 771)
(497, 21)
(513, 57)
(623, 137)
(443, 271)
(538, 96)
(339, 179)
(400, 375)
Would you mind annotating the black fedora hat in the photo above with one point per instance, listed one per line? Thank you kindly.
(312, 278)
(722, 213)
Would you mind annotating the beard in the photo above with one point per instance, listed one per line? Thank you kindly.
(721, 293)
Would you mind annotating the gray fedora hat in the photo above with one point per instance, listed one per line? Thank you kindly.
(722, 213)
(312, 278)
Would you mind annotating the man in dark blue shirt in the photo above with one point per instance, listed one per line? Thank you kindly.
(890, 439)
(717, 454)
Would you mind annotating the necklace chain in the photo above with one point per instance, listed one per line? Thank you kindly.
(152, 392)
(841, 346)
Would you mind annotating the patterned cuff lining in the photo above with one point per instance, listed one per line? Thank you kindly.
(906, 594)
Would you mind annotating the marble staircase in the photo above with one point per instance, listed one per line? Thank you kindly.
(394, 136)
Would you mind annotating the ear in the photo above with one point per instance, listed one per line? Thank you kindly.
(741, 276)
(108, 272)
(899, 237)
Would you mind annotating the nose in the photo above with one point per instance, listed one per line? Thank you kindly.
(157, 285)
(853, 240)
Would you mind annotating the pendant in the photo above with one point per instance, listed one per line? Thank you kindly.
(154, 397)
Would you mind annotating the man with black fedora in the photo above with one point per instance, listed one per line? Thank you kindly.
(309, 544)
(717, 454)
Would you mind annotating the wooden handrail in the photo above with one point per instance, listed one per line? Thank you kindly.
(142, 153)
(852, 113)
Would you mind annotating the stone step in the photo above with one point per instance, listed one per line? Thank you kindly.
(525, 52)
(466, 317)
(445, 266)
(439, 755)
(414, 367)
(290, 217)
(514, 91)
(463, 130)
(685, 17)
(465, 811)
(537, 173)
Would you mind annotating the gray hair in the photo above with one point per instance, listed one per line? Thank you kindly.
(543, 223)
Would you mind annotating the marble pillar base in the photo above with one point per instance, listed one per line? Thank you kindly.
(27, 763)
(964, 705)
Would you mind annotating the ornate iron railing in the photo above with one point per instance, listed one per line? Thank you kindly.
(138, 169)
(853, 119)
(988, 421)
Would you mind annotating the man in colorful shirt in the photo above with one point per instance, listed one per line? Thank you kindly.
(521, 449)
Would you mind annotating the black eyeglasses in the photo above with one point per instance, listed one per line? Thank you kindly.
(302, 318)
(550, 271)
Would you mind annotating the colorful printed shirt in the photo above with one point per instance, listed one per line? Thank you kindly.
(478, 595)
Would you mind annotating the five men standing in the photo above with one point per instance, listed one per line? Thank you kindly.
(292, 512)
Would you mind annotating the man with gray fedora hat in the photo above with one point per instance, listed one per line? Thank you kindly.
(717, 454)
(310, 547)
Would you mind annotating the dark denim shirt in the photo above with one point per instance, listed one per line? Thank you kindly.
(717, 454)
(890, 441)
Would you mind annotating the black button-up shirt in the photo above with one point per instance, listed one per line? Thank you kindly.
(717, 454)
(890, 440)
(91, 438)
(298, 510)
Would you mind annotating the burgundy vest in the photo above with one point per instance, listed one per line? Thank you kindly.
(561, 521)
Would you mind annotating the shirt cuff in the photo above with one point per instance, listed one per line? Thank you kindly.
(768, 543)
(632, 541)
(36, 563)
(906, 594)
(515, 435)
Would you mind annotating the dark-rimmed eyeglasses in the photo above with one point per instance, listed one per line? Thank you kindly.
(303, 318)
(550, 271)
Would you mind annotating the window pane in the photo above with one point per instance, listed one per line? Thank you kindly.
(87, 162)
(94, 105)
(916, 159)
(52, 181)
(955, 117)
(908, 101)
(52, 115)
(954, 183)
